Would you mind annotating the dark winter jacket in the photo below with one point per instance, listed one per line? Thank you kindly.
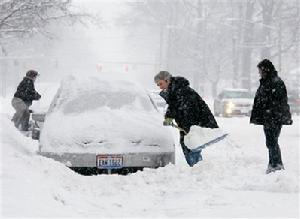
(186, 106)
(271, 103)
(26, 91)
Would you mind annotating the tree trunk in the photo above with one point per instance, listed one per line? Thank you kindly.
(267, 11)
(200, 30)
(247, 50)
(236, 40)
(215, 82)
(279, 42)
(297, 56)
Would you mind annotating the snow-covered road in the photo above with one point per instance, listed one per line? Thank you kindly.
(229, 182)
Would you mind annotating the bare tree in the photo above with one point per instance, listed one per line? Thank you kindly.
(280, 27)
(20, 19)
(214, 41)
(25, 17)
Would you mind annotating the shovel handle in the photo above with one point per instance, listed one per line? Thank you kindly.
(180, 129)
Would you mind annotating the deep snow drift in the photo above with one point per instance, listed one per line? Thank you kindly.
(229, 182)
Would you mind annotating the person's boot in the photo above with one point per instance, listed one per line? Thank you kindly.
(273, 169)
(279, 167)
(270, 169)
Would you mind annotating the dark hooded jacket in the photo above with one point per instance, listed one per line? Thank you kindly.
(26, 91)
(186, 106)
(270, 106)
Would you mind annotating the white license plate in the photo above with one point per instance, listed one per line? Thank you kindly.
(107, 161)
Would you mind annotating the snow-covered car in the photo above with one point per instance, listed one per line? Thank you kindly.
(231, 102)
(105, 126)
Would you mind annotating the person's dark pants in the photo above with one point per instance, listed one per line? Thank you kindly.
(272, 134)
(185, 149)
(22, 114)
(191, 157)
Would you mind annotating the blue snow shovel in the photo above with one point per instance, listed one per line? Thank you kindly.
(193, 156)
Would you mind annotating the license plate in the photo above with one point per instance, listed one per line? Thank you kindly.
(107, 161)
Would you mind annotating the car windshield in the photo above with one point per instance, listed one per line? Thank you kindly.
(87, 101)
(236, 94)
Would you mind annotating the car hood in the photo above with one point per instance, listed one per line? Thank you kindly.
(106, 131)
(239, 100)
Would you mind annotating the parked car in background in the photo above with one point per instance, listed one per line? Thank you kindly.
(99, 126)
(233, 102)
(294, 101)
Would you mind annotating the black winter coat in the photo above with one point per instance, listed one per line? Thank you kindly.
(26, 91)
(270, 106)
(186, 106)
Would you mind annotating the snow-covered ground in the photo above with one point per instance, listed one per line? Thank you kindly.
(229, 182)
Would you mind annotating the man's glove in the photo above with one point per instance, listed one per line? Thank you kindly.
(168, 122)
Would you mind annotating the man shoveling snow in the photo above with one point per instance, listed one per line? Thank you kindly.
(188, 109)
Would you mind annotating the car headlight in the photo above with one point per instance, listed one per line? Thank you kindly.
(229, 106)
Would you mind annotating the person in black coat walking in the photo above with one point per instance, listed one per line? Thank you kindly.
(22, 100)
(184, 105)
(271, 110)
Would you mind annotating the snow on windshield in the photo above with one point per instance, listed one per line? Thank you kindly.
(93, 93)
(87, 101)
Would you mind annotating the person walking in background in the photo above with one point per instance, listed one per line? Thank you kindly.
(22, 100)
(184, 105)
(271, 110)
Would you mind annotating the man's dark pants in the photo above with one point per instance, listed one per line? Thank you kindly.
(272, 134)
(22, 114)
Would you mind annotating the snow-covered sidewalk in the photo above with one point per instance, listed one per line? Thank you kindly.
(229, 182)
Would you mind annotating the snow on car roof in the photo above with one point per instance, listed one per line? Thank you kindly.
(76, 83)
